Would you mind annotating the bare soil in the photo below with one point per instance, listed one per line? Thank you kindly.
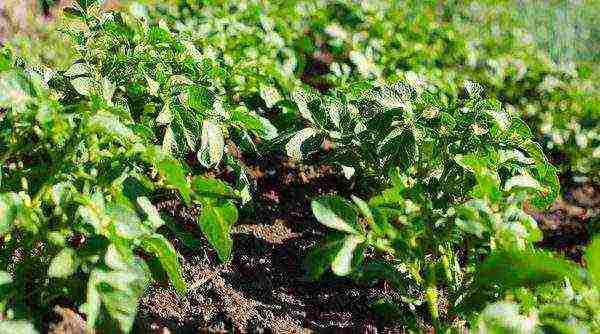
(266, 290)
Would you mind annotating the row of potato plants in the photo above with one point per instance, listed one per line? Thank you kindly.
(150, 106)
(269, 48)
(329, 43)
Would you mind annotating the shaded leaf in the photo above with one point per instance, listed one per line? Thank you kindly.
(297, 147)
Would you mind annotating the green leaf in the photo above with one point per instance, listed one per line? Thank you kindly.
(252, 122)
(216, 222)
(398, 148)
(118, 291)
(17, 327)
(110, 124)
(212, 144)
(212, 188)
(546, 174)
(175, 176)
(125, 220)
(200, 98)
(153, 216)
(303, 142)
(592, 259)
(166, 254)
(522, 181)
(77, 69)
(83, 85)
(5, 278)
(14, 90)
(85, 4)
(92, 212)
(334, 212)
(269, 131)
(342, 263)
(473, 217)
(64, 264)
(512, 268)
(364, 209)
(153, 86)
(8, 211)
(504, 317)
(519, 132)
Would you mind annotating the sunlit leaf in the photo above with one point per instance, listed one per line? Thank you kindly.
(212, 145)
(336, 213)
(216, 222)
(166, 254)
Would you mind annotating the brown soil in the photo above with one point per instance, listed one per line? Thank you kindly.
(265, 288)
(570, 222)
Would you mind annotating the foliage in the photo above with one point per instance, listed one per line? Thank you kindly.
(161, 96)
(459, 173)
(79, 166)
(546, 293)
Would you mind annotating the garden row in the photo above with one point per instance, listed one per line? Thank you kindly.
(449, 135)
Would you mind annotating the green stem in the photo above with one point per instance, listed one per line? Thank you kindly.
(431, 295)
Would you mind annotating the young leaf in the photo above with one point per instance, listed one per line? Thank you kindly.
(336, 213)
(212, 144)
(166, 254)
(216, 222)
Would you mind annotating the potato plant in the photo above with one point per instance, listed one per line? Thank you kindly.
(444, 175)
(81, 161)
